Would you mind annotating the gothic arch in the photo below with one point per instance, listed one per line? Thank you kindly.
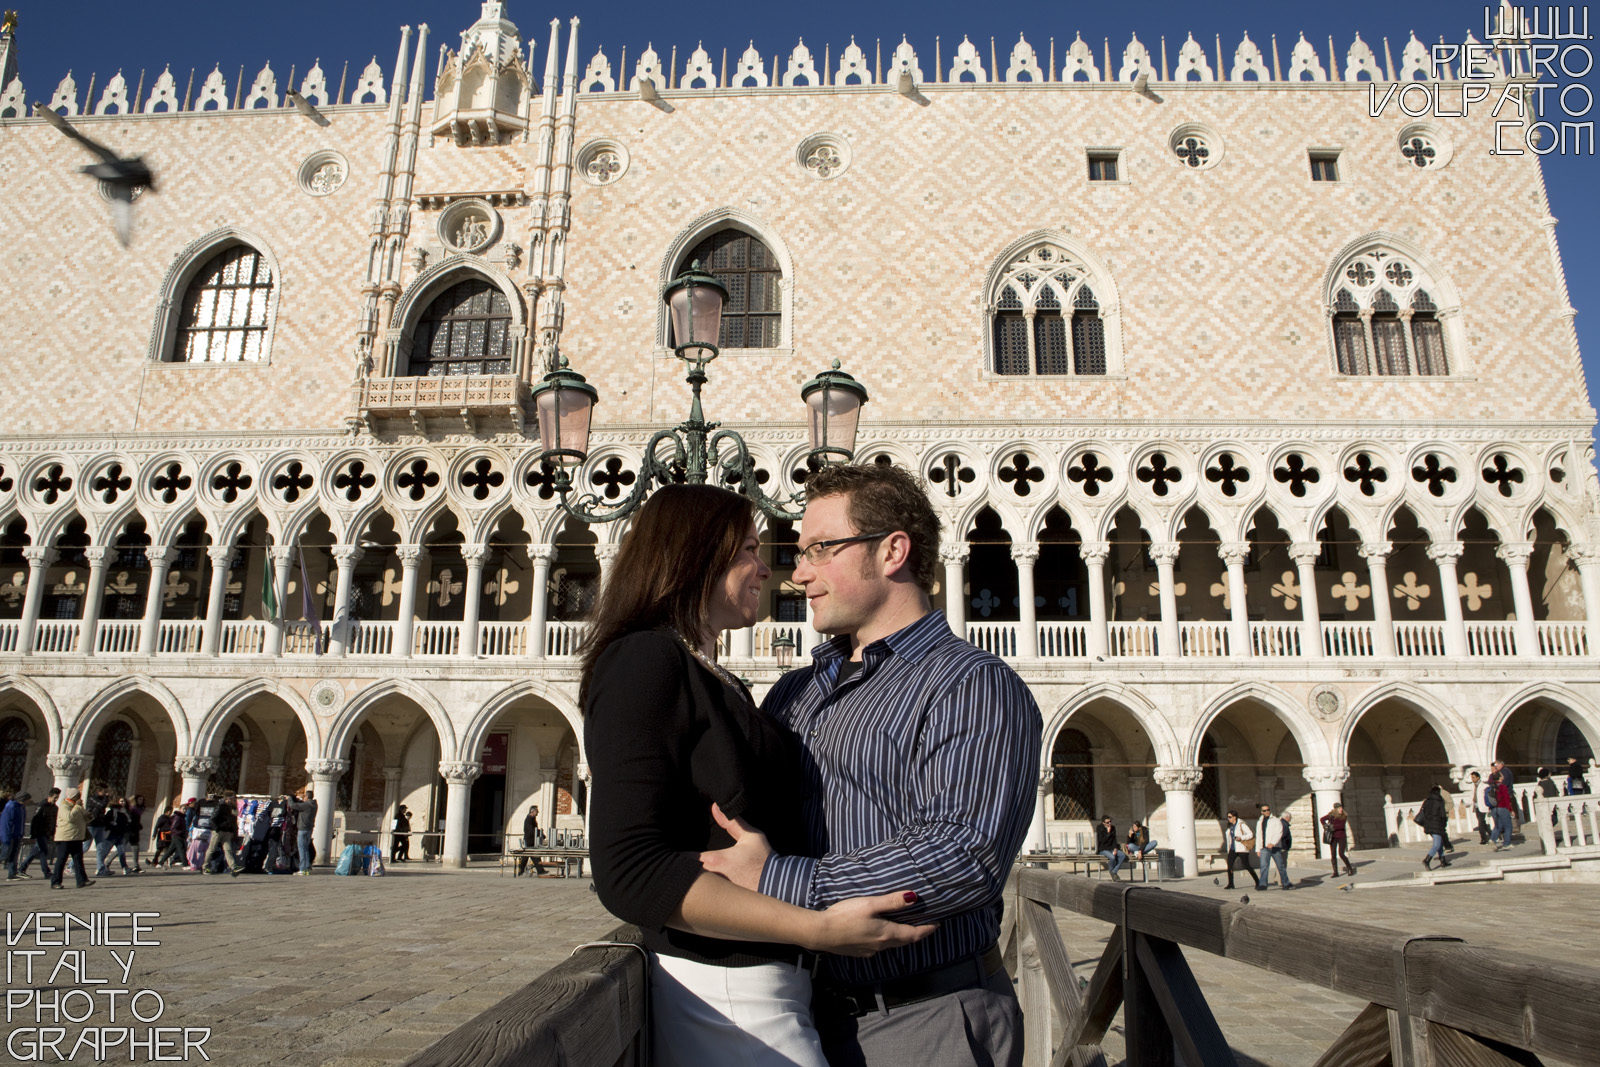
(433, 281)
(29, 690)
(1581, 711)
(1097, 277)
(101, 704)
(1313, 746)
(478, 728)
(188, 263)
(215, 723)
(340, 733)
(1453, 731)
(1146, 714)
(724, 218)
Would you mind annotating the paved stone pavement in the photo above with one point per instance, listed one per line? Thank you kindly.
(361, 972)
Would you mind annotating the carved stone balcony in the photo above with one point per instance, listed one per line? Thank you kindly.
(468, 398)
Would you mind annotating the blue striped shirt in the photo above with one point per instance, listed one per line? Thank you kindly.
(922, 775)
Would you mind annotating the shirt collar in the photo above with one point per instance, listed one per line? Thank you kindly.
(910, 642)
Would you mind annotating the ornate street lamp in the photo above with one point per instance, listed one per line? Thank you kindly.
(694, 448)
(783, 649)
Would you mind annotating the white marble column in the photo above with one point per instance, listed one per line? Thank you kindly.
(160, 557)
(1304, 554)
(581, 773)
(244, 762)
(1445, 554)
(1165, 553)
(345, 557)
(1587, 557)
(1178, 783)
(195, 771)
(274, 780)
(1038, 839)
(539, 604)
(1376, 553)
(1327, 789)
(125, 787)
(38, 559)
(954, 557)
(325, 775)
(405, 621)
(282, 558)
(1025, 556)
(475, 556)
(1233, 554)
(1094, 555)
(458, 777)
(1516, 555)
(604, 553)
(92, 599)
(67, 769)
(220, 556)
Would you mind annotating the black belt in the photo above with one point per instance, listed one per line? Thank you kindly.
(858, 1000)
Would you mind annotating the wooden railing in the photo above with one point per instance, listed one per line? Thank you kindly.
(1426, 995)
(589, 1009)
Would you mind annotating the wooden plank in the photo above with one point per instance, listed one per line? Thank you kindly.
(1453, 1048)
(1033, 989)
(1364, 1043)
(1145, 1029)
(1551, 1010)
(1194, 1028)
(1060, 979)
(587, 1011)
(1104, 996)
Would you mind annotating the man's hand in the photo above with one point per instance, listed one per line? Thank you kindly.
(743, 862)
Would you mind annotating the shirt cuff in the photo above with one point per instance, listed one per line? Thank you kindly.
(788, 878)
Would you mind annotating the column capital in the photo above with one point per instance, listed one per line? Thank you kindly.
(1094, 551)
(542, 553)
(95, 554)
(274, 769)
(1026, 552)
(282, 555)
(1375, 551)
(347, 555)
(1234, 553)
(392, 774)
(410, 555)
(460, 772)
(1165, 551)
(953, 552)
(1326, 779)
(191, 766)
(606, 551)
(160, 555)
(475, 555)
(1046, 776)
(1584, 553)
(220, 555)
(583, 772)
(1445, 551)
(1305, 553)
(1137, 781)
(1515, 552)
(63, 764)
(1177, 779)
(38, 555)
(327, 770)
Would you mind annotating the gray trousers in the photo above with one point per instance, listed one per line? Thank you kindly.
(979, 1027)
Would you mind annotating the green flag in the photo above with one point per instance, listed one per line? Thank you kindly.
(269, 593)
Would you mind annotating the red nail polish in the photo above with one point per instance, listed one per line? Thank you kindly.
(911, 898)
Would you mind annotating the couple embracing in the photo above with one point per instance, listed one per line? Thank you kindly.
(818, 879)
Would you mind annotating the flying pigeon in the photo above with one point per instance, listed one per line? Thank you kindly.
(123, 177)
(306, 108)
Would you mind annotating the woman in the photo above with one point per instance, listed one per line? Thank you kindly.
(119, 831)
(1434, 820)
(668, 734)
(1237, 839)
(1336, 831)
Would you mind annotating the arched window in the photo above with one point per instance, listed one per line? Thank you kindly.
(226, 309)
(465, 330)
(1384, 320)
(230, 760)
(753, 315)
(1044, 318)
(113, 756)
(13, 752)
(1073, 781)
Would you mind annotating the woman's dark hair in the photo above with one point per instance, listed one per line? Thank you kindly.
(669, 564)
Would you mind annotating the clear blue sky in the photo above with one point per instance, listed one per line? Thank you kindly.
(94, 37)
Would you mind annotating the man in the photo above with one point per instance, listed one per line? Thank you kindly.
(1110, 849)
(922, 759)
(400, 848)
(1272, 838)
(1576, 783)
(72, 830)
(1480, 811)
(305, 815)
(43, 832)
(277, 818)
(225, 835)
(98, 810)
(13, 826)
(1238, 840)
(1497, 797)
(532, 837)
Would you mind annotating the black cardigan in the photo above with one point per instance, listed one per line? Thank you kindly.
(665, 737)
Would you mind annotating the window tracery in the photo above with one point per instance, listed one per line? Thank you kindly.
(1045, 318)
(753, 314)
(465, 330)
(1385, 322)
(226, 309)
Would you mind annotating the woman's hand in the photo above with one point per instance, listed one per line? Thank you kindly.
(856, 927)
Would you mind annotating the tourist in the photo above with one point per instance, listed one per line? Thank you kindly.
(1434, 819)
(1138, 843)
(1480, 810)
(98, 809)
(305, 819)
(666, 727)
(532, 837)
(1237, 841)
(1336, 835)
(43, 831)
(72, 830)
(1110, 850)
(1577, 784)
(277, 820)
(1271, 836)
(200, 817)
(225, 836)
(400, 848)
(119, 828)
(171, 833)
(13, 826)
(1497, 797)
(136, 829)
(934, 780)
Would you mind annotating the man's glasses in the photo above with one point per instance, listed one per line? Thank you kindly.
(819, 552)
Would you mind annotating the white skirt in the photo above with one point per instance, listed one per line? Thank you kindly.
(703, 1014)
